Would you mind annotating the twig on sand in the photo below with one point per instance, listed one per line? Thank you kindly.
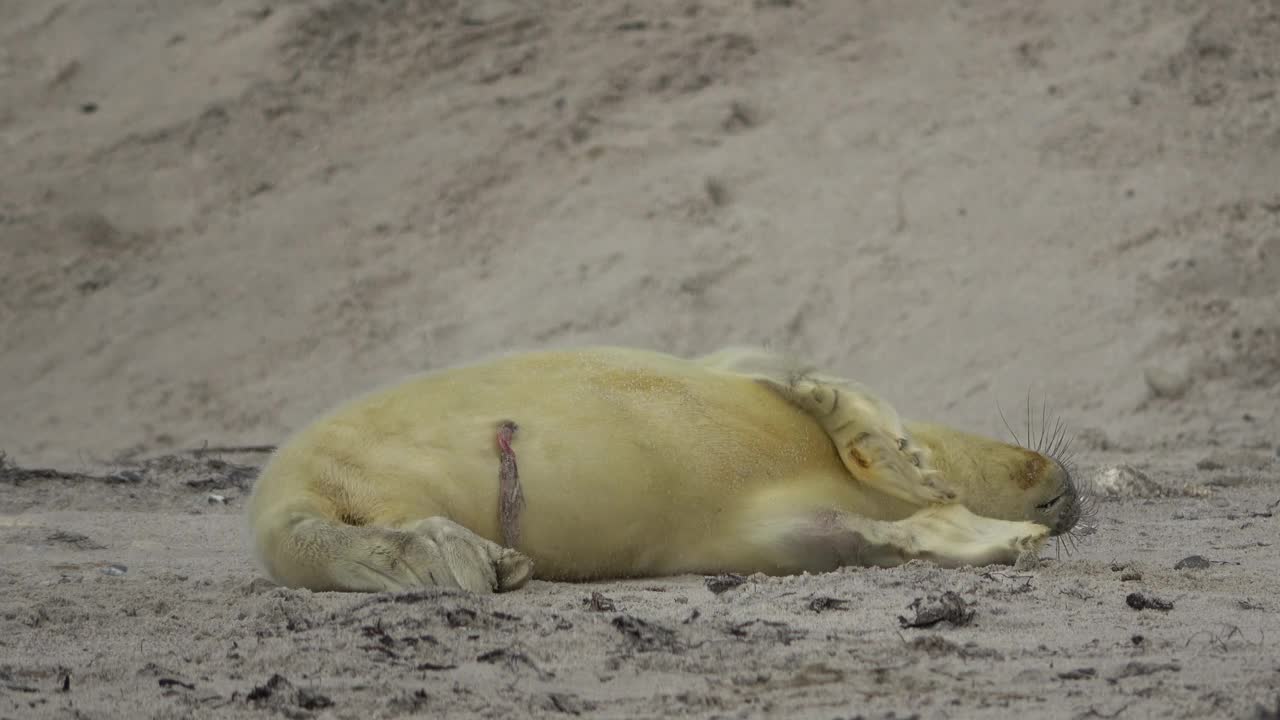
(217, 449)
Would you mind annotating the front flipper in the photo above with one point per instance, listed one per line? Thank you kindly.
(866, 431)
(949, 536)
(869, 437)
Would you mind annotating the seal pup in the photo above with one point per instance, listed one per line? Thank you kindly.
(635, 463)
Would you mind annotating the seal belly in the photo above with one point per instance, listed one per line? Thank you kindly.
(626, 458)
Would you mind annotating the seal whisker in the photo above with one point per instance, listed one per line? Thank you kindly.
(1029, 417)
(1043, 419)
(1058, 431)
(1006, 423)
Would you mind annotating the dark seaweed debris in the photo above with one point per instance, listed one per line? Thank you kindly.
(645, 636)
(933, 610)
(1143, 601)
(278, 691)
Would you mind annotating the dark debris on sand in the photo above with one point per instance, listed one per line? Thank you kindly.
(1145, 601)
(198, 472)
(12, 474)
(644, 636)
(930, 611)
(719, 584)
(278, 693)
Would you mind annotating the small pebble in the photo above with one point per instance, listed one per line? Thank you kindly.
(1192, 562)
(1166, 383)
(1125, 481)
(114, 569)
(722, 583)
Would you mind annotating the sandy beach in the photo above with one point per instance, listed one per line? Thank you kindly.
(218, 219)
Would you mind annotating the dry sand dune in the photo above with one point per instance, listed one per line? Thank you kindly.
(219, 218)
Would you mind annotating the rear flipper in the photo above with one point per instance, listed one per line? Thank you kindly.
(868, 434)
(311, 551)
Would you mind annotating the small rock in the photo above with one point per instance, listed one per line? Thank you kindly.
(1192, 562)
(1164, 383)
(216, 499)
(1124, 481)
(724, 583)
(1130, 576)
(1127, 481)
(114, 569)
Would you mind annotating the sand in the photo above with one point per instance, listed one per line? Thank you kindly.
(219, 219)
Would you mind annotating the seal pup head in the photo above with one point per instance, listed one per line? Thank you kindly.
(1009, 481)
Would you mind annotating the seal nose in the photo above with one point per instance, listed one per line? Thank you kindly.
(1067, 510)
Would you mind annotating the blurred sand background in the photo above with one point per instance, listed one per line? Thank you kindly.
(220, 218)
